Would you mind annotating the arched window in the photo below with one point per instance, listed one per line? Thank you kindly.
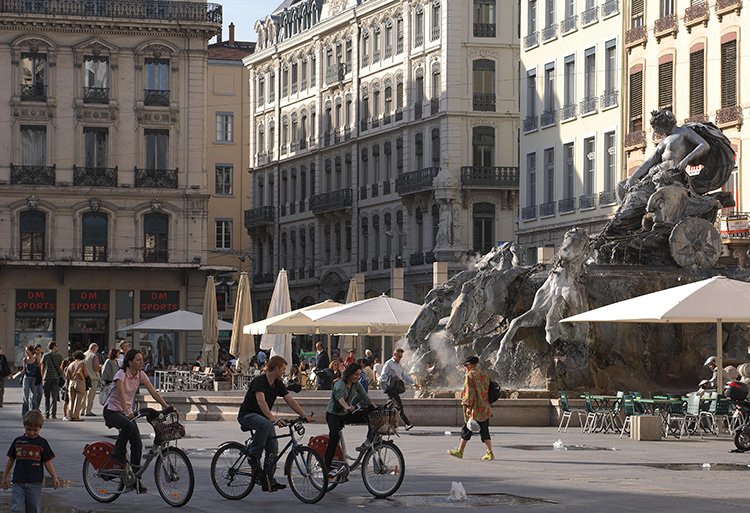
(483, 145)
(33, 227)
(155, 237)
(94, 237)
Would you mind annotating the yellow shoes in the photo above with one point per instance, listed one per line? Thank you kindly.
(488, 456)
(456, 453)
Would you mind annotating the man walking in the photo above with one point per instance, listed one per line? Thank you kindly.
(124, 348)
(51, 364)
(321, 364)
(5, 371)
(93, 367)
(392, 380)
(476, 405)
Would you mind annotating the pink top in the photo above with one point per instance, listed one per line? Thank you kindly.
(131, 384)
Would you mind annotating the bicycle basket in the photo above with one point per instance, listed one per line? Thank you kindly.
(167, 428)
(384, 422)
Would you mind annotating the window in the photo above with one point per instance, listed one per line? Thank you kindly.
(365, 49)
(549, 88)
(94, 237)
(261, 90)
(570, 9)
(419, 149)
(589, 165)
(399, 93)
(224, 176)
(375, 165)
(376, 44)
(96, 147)
(697, 81)
(285, 81)
(610, 67)
(400, 35)
(569, 177)
(224, 234)
(295, 77)
(224, 127)
(666, 7)
(388, 161)
(272, 86)
(157, 82)
(549, 13)
(155, 235)
(157, 149)
(375, 104)
(313, 70)
(610, 158)
(435, 28)
(531, 94)
(531, 20)
(33, 227)
(484, 84)
(484, 18)
(569, 85)
(589, 77)
(33, 145)
(483, 146)
(549, 175)
(261, 139)
(388, 100)
(303, 74)
(531, 179)
(418, 26)
(665, 84)
(400, 155)
(729, 73)
(436, 146)
(636, 99)
(348, 55)
(96, 81)
(33, 76)
(388, 38)
(483, 220)
(636, 13)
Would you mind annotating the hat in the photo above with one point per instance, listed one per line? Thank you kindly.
(473, 360)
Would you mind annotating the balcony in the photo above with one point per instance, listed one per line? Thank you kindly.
(435, 106)
(610, 8)
(131, 9)
(665, 26)
(587, 201)
(729, 117)
(429, 257)
(634, 140)
(282, 149)
(363, 125)
(529, 213)
(335, 73)
(302, 143)
(96, 95)
(485, 102)
(549, 33)
(609, 99)
(500, 177)
(568, 112)
(365, 60)
(400, 45)
(698, 118)
(293, 146)
(363, 266)
(32, 175)
(260, 216)
(485, 30)
(547, 209)
(531, 41)
(590, 16)
(375, 121)
(569, 25)
(388, 52)
(158, 97)
(292, 208)
(636, 36)
(548, 118)
(588, 105)
(416, 259)
(331, 201)
(262, 158)
(387, 118)
(95, 176)
(418, 110)
(33, 92)
(418, 39)
(566, 205)
(724, 7)
(530, 124)
(399, 114)
(607, 198)
(696, 14)
(156, 178)
(376, 56)
(416, 181)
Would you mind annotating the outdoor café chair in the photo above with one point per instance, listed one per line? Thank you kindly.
(628, 405)
(596, 418)
(675, 415)
(567, 412)
(718, 414)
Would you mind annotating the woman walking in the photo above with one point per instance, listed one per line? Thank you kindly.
(32, 372)
(76, 375)
(476, 409)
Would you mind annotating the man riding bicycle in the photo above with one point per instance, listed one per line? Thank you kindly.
(255, 414)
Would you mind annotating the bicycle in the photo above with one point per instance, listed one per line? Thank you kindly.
(234, 478)
(382, 463)
(105, 479)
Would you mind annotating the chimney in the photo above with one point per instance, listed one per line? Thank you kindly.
(218, 37)
(231, 33)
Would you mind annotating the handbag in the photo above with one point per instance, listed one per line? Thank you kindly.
(38, 377)
(88, 382)
(61, 382)
(398, 387)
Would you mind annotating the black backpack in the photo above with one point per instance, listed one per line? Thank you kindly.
(493, 393)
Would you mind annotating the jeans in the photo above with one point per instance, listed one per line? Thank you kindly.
(51, 396)
(26, 498)
(91, 395)
(396, 397)
(263, 438)
(31, 396)
(128, 432)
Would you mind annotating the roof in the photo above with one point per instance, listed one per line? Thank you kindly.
(230, 51)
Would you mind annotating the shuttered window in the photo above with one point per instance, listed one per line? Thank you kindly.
(696, 83)
(636, 13)
(729, 74)
(665, 85)
(636, 101)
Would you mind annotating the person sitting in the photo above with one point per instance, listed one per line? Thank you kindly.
(363, 380)
(334, 372)
(292, 381)
(350, 358)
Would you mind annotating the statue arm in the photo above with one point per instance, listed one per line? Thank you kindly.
(701, 148)
(646, 166)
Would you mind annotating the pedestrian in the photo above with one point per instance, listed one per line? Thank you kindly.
(368, 354)
(350, 358)
(32, 377)
(321, 364)
(124, 348)
(27, 454)
(363, 376)
(377, 368)
(392, 380)
(292, 381)
(477, 410)
(5, 372)
(367, 371)
(262, 359)
(93, 369)
(256, 414)
(64, 395)
(51, 372)
(76, 375)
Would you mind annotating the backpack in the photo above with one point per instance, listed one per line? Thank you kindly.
(4, 367)
(493, 393)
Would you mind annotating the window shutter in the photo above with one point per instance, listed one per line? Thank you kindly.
(729, 74)
(696, 83)
(665, 85)
(636, 95)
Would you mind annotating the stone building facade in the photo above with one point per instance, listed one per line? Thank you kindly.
(383, 139)
(103, 189)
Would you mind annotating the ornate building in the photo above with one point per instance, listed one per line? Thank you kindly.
(102, 177)
(383, 139)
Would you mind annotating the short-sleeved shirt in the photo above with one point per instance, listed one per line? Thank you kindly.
(51, 363)
(270, 391)
(131, 384)
(31, 454)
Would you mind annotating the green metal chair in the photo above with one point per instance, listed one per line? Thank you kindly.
(675, 415)
(718, 414)
(568, 412)
(628, 406)
(595, 417)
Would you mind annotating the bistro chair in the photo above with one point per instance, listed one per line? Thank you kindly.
(595, 418)
(718, 415)
(675, 415)
(567, 412)
(628, 406)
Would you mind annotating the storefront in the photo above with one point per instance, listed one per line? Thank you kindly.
(35, 320)
(89, 319)
(160, 348)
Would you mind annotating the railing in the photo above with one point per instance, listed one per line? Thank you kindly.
(566, 205)
(302, 204)
(590, 16)
(435, 33)
(696, 14)
(331, 201)
(416, 259)
(293, 146)
(34, 92)
(399, 114)
(416, 181)
(292, 208)
(400, 45)
(282, 210)
(726, 6)
(569, 24)
(282, 149)
(95, 176)
(548, 118)
(549, 33)
(530, 123)
(485, 102)
(32, 175)
(607, 198)
(294, 87)
(347, 132)
(259, 216)
(96, 95)
(262, 158)
(131, 9)
(375, 122)
(484, 30)
(729, 115)
(568, 112)
(418, 110)
(610, 7)
(388, 52)
(363, 192)
(547, 209)
(387, 118)
(365, 60)
(489, 176)
(362, 125)
(588, 105)
(635, 139)
(531, 41)
(609, 99)
(665, 25)
(528, 213)
(587, 201)
(636, 36)
(157, 178)
(156, 97)
(418, 39)
(336, 136)
(698, 118)
(303, 84)
(376, 56)
(435, 106)
(302, 144)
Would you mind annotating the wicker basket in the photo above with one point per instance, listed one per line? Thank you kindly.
(167, 428)
(384, 422)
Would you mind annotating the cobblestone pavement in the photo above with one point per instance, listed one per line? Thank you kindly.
(597, 472)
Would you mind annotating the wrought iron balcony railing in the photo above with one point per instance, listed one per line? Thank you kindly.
(729, 116)
(374, 190)
(418, 39)
(375, 122)
(590, 16)
(724, 7)
(335, 73)
(416, 259)
(665, 26)
(696, 14)
(547, 209)
(485, 102)
(400, 45)
(434, 106)
(607, 198)
(480, 176)
(331, 201)
(435, 33)
(588, 105)
(634, 140)
(568, 112)
(429, 257)
(566, 205)
(34, 92)
(609, 99)
(375, 56)
(698, 118)
(157, 178)
(418, 110)
(175, 11)
(399, 114)
(531, 41)
(529, 213)
(549, 33)
(96, 95)
(388, 52)
(610, 8)
(32, 175)
(530, 123)
(387, 118)
(416, 181)
(587, 201)
(569, 24)
(156, 97)
(259, 216)
(636, 36)
(95, 176)
(548, 118)
(375, 263)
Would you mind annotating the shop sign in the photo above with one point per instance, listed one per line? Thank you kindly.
(95, 301)
(158, 302)
(36, 301)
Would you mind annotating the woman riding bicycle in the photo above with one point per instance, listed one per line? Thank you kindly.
(118, 410)
(340, 410)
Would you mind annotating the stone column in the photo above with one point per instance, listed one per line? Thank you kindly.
(439, 273)
(397, 283)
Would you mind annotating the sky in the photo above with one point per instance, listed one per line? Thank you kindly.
(244, 14)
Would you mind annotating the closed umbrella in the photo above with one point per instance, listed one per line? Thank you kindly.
(210, 329)
(349, 342)
(242, 345)
(280, 345)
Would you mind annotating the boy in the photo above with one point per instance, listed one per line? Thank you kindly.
(28, 452)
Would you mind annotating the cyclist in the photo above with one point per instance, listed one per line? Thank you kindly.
(255, 413)
(340, 410)
(118, 410)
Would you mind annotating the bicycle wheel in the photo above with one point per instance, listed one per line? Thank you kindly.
(383, 469)
(174, 476)
(306, 472)
(231, 473)
(101, 487)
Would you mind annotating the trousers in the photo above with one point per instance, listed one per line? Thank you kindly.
(264, 438)
(128, 433)
(51, 396)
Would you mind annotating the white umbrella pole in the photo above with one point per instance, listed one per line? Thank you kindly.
(328, 336)
(382, 349)
(719, 359)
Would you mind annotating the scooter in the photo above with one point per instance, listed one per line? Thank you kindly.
(737, 392)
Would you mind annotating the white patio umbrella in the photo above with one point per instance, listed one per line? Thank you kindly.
(210, 329)
(716, 300)
(380, 315)
(280, 303)
(242, 344)
(293, 323)
(350, 342)
(180, 320)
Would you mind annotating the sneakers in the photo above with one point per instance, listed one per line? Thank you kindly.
(408, 426)
(488, 456)
(456, 453)
(363, 447)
